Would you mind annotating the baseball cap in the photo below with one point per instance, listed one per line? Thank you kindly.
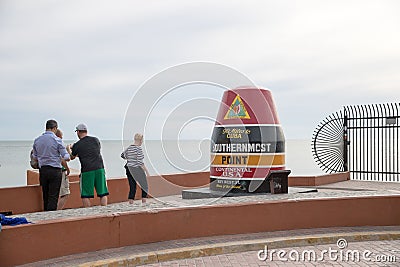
(81, 127)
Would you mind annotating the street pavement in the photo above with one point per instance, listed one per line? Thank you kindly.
(370, 253)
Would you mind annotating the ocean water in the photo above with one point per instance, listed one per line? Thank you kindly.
(161, 157)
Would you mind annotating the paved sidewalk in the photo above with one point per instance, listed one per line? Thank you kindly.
(371, 253)
(364, 185)
(337, 190)
(226, 245)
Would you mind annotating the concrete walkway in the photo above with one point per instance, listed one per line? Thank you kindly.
(379, 253)
(336, 190)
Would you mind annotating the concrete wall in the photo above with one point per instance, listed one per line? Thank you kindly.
(318, 179)
(26, 199)
(49, 239)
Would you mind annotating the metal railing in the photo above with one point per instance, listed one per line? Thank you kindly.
(362, 139)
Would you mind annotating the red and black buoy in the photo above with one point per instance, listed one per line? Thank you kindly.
(247, 142)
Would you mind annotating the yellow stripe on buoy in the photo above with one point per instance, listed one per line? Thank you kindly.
(248, 159)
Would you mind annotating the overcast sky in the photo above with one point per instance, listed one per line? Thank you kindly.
(83, 61)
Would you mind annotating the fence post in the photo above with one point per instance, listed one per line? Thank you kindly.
(345, 142)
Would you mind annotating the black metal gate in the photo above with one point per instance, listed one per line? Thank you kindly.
(362, 139)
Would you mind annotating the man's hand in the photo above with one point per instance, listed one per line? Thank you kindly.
(69, 150)
(69, 147)
(65, 165)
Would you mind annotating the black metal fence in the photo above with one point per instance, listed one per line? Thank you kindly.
(362, 139)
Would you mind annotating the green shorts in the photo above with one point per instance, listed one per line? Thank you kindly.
(93, 179)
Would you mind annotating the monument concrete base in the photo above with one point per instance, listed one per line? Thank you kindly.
(206, 192)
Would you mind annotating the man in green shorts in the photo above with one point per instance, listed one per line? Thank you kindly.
(92, 166)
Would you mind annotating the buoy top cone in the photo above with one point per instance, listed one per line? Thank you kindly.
(247, 106)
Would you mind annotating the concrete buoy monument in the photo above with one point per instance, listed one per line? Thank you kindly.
(247, 142)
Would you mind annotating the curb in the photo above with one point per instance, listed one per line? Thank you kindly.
(240, 246)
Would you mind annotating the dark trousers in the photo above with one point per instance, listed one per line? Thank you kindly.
(136, 174)
(50, 180)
